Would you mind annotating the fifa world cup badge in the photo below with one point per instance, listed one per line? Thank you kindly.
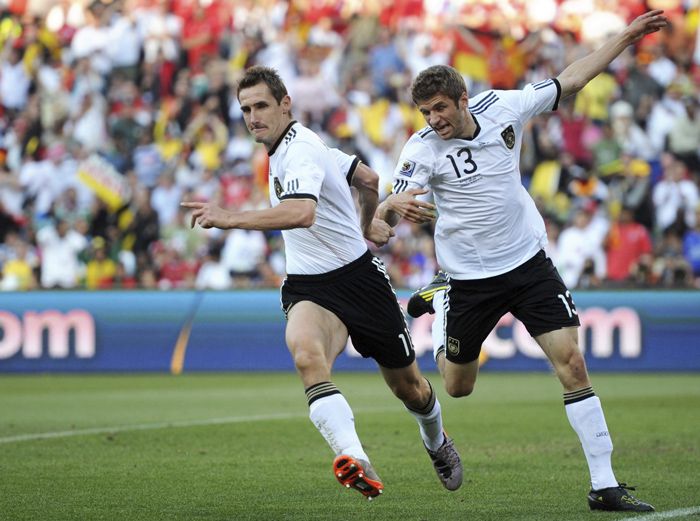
(508, 136)
(453, 346)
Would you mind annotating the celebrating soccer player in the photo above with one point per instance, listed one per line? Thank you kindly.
(490, 238)
(335, 287)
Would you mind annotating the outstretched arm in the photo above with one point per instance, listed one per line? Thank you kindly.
(293, 213)
(578, 74)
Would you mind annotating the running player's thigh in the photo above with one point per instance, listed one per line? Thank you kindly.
(314, 329)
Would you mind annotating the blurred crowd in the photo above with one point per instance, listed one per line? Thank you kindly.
(112, 112)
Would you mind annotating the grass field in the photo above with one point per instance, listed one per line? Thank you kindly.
(241, 447)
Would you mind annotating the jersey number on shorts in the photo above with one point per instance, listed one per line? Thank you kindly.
(406, 340)
(469, 164)
(568, 303)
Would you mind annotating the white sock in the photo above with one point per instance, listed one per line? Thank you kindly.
(587, 419)
(430, 422)
(333, 418)
(438, 329)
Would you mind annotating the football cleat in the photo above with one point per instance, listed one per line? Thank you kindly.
(447, 463)
(358, 474)
(618, 499)
(421, 302)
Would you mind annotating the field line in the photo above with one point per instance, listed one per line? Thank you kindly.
(670, 514)
(169, 424)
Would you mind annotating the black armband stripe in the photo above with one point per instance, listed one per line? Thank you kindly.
(558, 86)
(351, 170)
(299, 196)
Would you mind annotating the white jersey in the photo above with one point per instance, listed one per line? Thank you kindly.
(487, 223)
(303, 167)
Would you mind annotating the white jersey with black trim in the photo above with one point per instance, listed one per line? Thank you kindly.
(487, 223)
(303, 167)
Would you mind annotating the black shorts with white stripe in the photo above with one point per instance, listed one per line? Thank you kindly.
(361, 296)
(533, 292)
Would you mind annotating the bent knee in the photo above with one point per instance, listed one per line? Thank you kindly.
(457, 389)
(306, 355)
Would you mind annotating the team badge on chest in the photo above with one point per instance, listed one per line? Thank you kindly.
(508, 136)
(278, 188)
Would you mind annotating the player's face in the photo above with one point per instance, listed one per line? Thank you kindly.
(447, 118)
(264, 117)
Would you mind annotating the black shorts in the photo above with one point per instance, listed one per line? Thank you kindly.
(533, 292)
(361, 296)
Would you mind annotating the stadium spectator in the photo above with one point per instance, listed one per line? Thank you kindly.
(490, 238)
(671, 268)
(165, 199)
(60, 246)
(144, 229)
(243, 252)
(675, 197)
(330, 270)
(582, 243)
(77, 92)
(213, 274)
(684, 135)
(633, 140)
(14, 80)
(19, 263)
(100, 270)
(625, 243)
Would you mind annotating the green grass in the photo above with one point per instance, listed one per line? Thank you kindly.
(522, 460)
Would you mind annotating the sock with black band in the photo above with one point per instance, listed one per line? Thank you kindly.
(429, 420)
(333, 417)
(585, 415)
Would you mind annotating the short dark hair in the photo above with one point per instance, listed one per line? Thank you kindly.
(267, 75)
(438, 79)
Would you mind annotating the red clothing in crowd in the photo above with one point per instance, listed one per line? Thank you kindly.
(626, 243)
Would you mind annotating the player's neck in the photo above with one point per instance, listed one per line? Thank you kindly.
(469, 127)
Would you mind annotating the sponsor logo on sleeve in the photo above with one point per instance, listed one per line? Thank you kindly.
(407, 168)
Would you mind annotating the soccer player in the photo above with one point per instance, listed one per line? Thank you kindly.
(490, 238)
(334, 287)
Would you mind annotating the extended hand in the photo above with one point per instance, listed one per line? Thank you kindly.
(379, 233)
(407, 206)
(647, 23)
(208, 215)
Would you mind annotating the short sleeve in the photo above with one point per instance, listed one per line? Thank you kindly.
(303, 171)
(346, 163)
(414, 167)
(535, 98)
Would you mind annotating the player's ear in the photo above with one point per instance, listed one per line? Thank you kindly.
(463, 101)
(286, 104)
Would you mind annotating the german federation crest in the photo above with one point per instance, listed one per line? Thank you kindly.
(508, 136)
(453, 346)
(278, 188)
